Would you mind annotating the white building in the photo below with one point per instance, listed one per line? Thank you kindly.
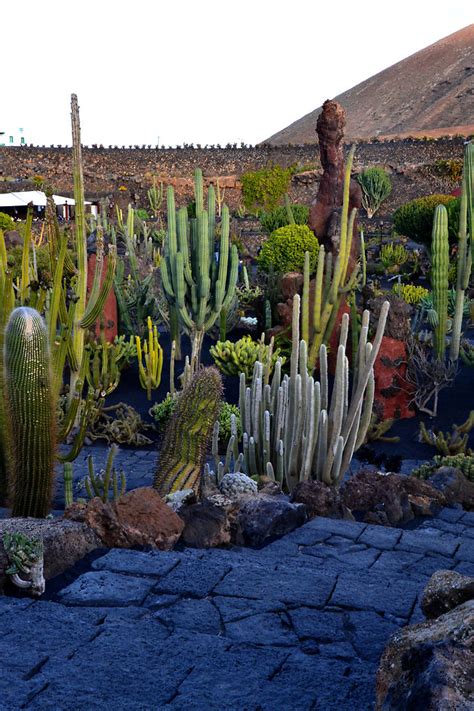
(13, 137)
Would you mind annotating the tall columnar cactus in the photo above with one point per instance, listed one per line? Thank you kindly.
(199, 272)
(189, 433)
(465, 247)
(439, 277)
(31, 412)
(292, 429)
(332, 282)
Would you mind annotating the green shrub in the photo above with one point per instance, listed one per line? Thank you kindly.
(6, 222)
(278, 217)
(162, 411)
(264, 189)
(224, 421)
(376, 187)
(284, 250)
(43, 263)
(415, 218)
(463, 462)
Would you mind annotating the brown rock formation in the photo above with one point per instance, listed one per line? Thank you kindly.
(324, 216)
(139, 518)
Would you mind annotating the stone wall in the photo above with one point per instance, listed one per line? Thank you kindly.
(126, 173)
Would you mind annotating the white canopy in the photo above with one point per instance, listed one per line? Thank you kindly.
(37, 197)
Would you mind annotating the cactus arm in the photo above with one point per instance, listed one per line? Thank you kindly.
(80, 227)
(464, 257)
(95, 307)
(25, 257)
(439, 277)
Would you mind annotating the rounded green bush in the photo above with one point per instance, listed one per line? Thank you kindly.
(278, 217)
(6, 222)
(415, 218)
(284, 250)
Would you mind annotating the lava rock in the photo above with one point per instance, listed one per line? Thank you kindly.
(139, 518)
(446, 590)
(262, 518)
(456, 488)
(430, 666)
(320, 500)
(206, 525)
(389, 499)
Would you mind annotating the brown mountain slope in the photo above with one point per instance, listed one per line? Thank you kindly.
(430, 90)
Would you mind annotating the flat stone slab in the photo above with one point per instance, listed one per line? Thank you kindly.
(298, 625)
(103, 588)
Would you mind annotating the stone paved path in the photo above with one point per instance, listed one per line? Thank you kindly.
(297, 626)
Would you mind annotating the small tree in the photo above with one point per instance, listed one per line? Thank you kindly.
(376, 187)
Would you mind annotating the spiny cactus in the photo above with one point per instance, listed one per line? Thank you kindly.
(31, 412)
(465, 247)
(292, 429)
(196, 284)
(188, 433)
(439, 277)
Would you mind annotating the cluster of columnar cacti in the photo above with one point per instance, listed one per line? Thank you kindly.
(31, 413)
(107, 481)
(199, 271)
(293, 430)
(332, 282)
(150, 359)
(240, 357)
(440, 263)
(188, 433)
(68, 310)
(465, 247)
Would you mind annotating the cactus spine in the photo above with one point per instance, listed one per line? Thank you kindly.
(465, 250)
(198, 286)
(31, 412)
(439, 277)
(189, 432)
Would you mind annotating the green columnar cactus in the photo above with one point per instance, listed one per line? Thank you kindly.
(465, 250)
(439, 277)
(31, 412)
(188, 433)
(198, 284)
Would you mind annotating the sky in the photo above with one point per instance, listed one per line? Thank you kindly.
(170, 72)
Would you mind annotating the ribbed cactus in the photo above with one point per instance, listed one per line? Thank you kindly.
(292, 429)
(31, 412)
(465, 250)
(439, 277)
(332, 281)
(188, 434)
(199, 271)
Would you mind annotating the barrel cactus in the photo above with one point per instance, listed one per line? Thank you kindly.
(188, 433)
(30, 412)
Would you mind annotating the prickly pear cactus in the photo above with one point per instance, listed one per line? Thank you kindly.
(30, 412)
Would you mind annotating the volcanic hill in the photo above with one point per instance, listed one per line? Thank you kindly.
(430, 93)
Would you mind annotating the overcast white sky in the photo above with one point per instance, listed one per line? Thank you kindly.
(202, 71)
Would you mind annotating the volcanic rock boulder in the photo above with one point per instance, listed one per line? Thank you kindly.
(430, 666)
(139, 518)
